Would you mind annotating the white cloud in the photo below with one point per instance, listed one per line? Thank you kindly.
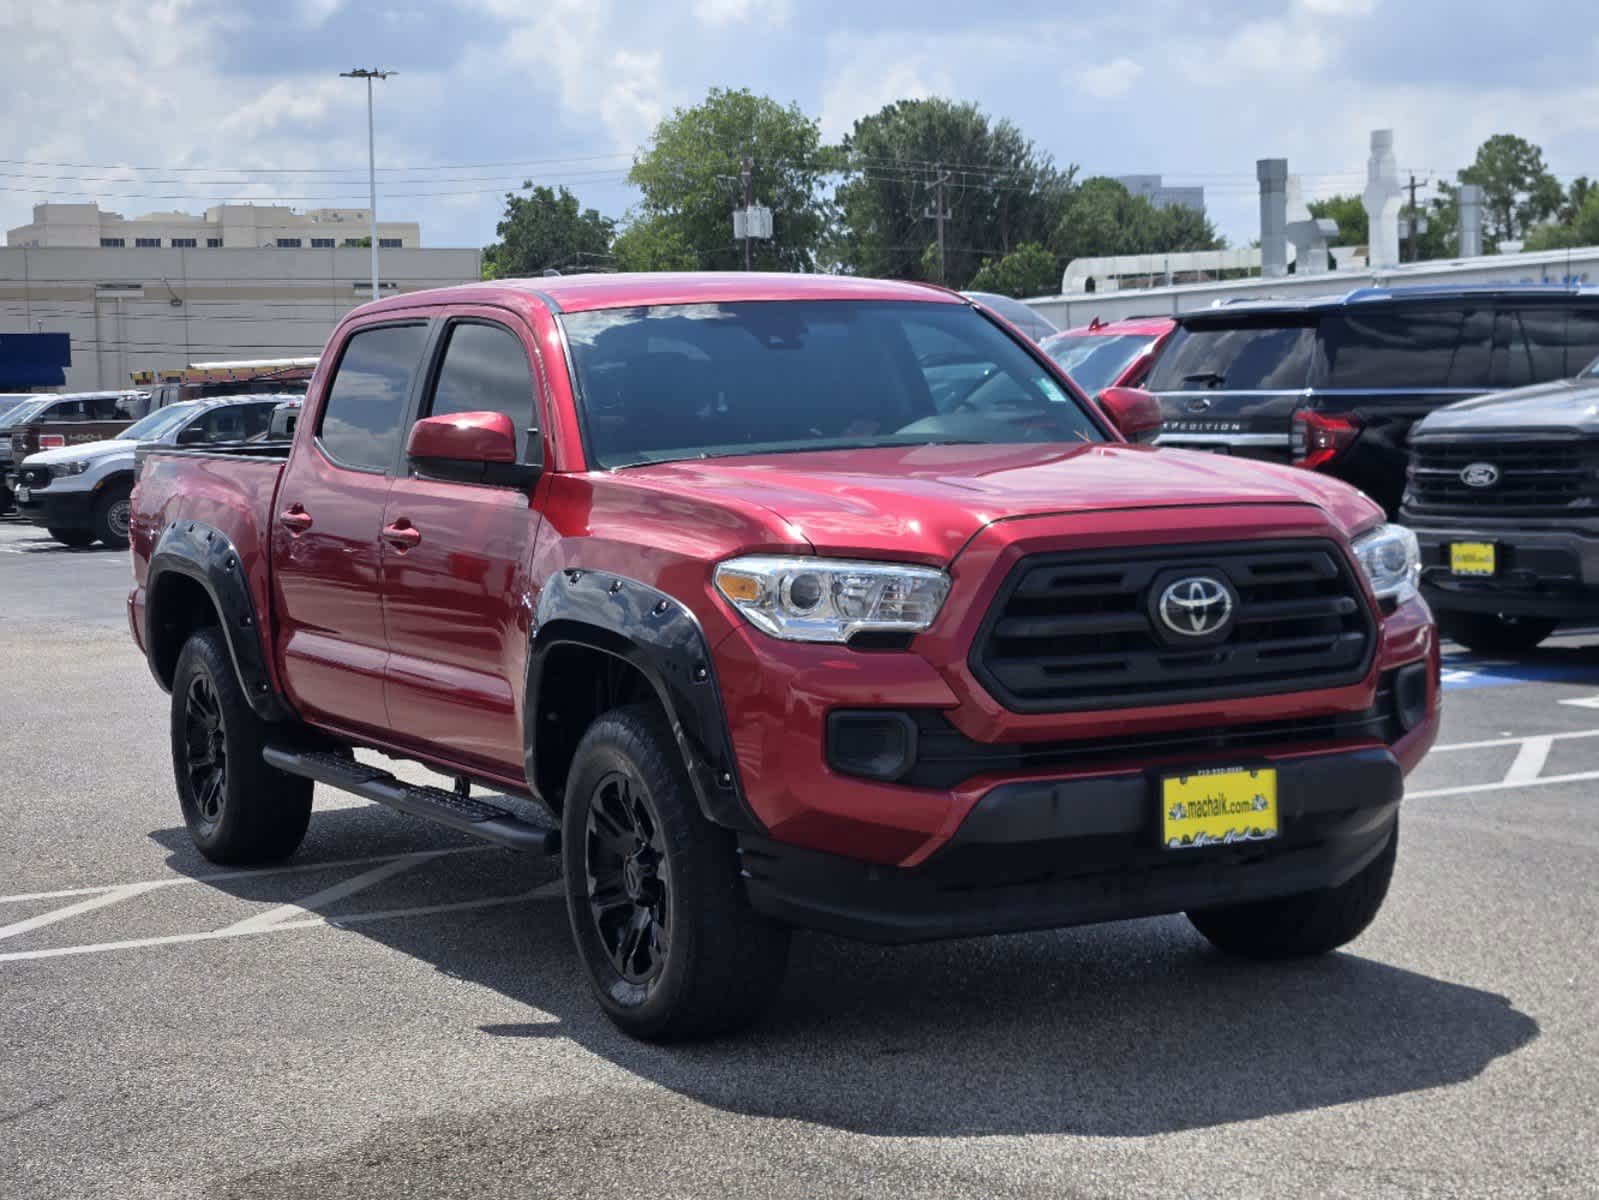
(1106, 81)
(1340, 8)
(718, 13)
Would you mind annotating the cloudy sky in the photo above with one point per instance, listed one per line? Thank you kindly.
(158, 105)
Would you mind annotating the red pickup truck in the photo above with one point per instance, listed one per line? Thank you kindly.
(800, 601)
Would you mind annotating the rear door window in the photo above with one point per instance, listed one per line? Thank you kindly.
(1555, 342)
(360, 425)
(1401, 349)
(1247, 356)
(486, 369)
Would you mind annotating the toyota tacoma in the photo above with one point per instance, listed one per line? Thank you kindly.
(799, 601)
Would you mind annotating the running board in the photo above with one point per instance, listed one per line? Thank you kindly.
(491, 823)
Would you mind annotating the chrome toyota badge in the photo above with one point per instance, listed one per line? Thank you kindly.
(1195, 606)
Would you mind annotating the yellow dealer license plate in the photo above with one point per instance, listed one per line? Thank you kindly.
(1471, 558)
(1218, 806)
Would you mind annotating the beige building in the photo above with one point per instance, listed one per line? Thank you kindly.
(224, 227)
(146, 308)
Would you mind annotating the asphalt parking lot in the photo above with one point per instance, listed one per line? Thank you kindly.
(398, 1012)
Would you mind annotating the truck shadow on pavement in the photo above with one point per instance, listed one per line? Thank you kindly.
(1114, 1031)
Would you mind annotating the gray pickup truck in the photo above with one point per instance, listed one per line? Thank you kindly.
(1503, 494)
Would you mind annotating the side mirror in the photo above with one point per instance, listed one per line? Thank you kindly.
(192, 436)
(469, 447)
(1134, 412)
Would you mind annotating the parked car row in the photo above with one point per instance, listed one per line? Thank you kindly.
(1469, 413)
(79, 492)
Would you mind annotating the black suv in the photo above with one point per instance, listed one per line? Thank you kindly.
(1504, 499)
(1335, 383)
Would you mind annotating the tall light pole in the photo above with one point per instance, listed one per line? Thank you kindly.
(369, 75)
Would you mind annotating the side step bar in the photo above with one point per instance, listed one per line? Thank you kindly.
(486, 821)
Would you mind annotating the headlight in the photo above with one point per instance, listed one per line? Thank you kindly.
(831, 600)
(1391, 561)
(57, 470)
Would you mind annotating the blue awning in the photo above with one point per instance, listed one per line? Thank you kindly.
(34, 360)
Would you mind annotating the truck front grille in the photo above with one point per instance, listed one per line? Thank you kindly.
(34, 477)
(1533, 474)
(1082, 631)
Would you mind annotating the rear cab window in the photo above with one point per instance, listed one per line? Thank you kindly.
(1239, 355)
(365, 410)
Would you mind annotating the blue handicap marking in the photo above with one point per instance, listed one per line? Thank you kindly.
(1462, 670)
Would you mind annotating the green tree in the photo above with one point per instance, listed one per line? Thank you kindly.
(1354, 227)
(1518, 191)
(689, 177)
(1581, 230)
(543, 229)
(998, 190)
(1028, 270)
(1101, 217)
(654, 244)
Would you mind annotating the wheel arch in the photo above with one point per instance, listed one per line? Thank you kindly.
(604, 639)
(196, 579)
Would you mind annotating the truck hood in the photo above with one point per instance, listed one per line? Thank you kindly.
(1565, 404)
(84, 450)
(926, 502)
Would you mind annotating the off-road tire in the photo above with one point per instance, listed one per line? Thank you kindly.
(112, 512)
(256, 814)
(723, 963)
(1490, 633)
(76, 538)
(1306, 924)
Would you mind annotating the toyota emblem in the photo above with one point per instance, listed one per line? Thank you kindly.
(1195, 606)
(1480, 475)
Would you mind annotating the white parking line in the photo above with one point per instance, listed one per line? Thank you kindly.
(115, 895)
(219, 876)
(1472, 788)
(1530, 759)
(1515, 741)
(542, 892)
(308, 905)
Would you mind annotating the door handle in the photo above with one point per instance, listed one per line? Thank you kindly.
(402, 535)
(295, 518)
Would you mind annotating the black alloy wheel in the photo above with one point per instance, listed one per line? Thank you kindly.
(628, 881)
(206, 761)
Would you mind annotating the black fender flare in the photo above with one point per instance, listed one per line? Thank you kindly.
(207, 556)
(662, 639)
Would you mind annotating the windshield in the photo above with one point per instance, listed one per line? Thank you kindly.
(1095, 363)
(161, 421)
(23, 412)
(1249, 355)
(712, 380)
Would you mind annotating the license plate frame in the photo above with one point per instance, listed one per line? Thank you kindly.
(1474, 560)
(1237, 805)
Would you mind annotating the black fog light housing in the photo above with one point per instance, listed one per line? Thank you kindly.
(1410, 695)
(872, 745)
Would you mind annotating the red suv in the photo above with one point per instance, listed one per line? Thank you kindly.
(799, 601)
(1106, 354)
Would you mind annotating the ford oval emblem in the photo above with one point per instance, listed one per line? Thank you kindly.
(1480, 475)
(1195, 606)
(1198, 404)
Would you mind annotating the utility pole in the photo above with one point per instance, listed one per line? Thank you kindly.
(369, 75)
(1415, 218)
(749, 199)
(938, 213)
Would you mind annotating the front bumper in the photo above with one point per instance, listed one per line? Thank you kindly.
(55, 508)
(1048, 854)
(1543, 571)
